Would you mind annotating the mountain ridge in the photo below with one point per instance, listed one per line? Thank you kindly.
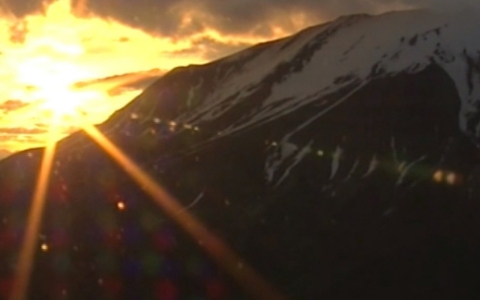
(341, 163)
(342, 78)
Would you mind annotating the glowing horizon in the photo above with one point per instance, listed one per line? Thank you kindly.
(45, 55)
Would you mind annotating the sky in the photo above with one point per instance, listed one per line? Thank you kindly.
(62, 58)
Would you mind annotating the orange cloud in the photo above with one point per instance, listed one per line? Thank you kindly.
(12, 105)
(81, 8)
(20, 130)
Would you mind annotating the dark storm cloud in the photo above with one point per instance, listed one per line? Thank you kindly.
(169, 17)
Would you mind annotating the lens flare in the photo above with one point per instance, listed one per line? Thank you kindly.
(27, 252)
(61, 66)
(255, 285)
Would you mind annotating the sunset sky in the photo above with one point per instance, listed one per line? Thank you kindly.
(48, 47)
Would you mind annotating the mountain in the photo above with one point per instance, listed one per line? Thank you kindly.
(340, 163)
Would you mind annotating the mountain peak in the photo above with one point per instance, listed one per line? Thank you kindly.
(322, 61)
(338, 162)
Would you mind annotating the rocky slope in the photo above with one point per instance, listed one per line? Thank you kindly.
(341, 162)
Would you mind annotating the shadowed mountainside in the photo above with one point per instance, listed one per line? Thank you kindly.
(340, 163)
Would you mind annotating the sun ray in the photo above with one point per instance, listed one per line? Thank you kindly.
(253, 283)
(27, 252)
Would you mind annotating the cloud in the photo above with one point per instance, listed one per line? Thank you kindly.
(181, 18)
(18, 32)
(214, 28)
(452, 6)
(184, 18)
(12, 105)
(21, 130)
(136, 80)
(209, 48)
(22, 8)
(20, 139)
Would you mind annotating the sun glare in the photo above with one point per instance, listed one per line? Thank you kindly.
(45, 55)
(57, 70)
(51, 83)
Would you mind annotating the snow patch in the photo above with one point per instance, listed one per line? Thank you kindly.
(282, 152)
(298, 158)
(374, 163)
(407, 168)
(337, 155)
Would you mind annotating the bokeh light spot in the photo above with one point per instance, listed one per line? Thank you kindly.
(438, 176)
(451, 179)
(44, 247)
(121, 206)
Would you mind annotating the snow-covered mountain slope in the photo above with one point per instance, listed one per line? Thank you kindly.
(277, 78)
(341, 162)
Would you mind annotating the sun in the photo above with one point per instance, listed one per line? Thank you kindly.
(51, 83)
(66, 104)
(62, 101)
